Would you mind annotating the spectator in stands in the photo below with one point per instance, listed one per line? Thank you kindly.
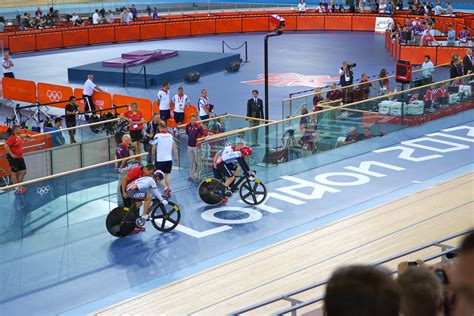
(317, 98)
(468, 62)
(109, 17)
(451, 36)
(361, 6)
(438, 10)
(449, 9)
(352, 137)
(163, 149)
(27, 22)
(301, 6)
(125, 16)
(150, 132)
(384, 82)
(460, 275)
(205, 108)
(95, 17)
(58, 138)
(455, 69)
(87, 92)
(38, 12)
(134, 13)
(361, 291)
(194, 131)
(74, 18)
(399, 5)
(79, 21)
(333, 94)
(427, 38)
(135, 126)
(164, 101)
(364, 86)
(255, 110)
(427, 70)
(421, 293)
(463, 35)
(71, 111)
(7, 65)
(148, 10)
(155, 13)
(14, 151)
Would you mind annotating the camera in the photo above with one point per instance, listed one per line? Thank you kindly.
(353, 65)
(278, 20)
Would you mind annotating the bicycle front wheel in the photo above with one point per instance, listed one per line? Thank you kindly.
(253, 192)
(165, 218)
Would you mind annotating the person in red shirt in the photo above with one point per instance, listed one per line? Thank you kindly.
(135, 125)
(132, 175)
(316, 99)
(14, 149)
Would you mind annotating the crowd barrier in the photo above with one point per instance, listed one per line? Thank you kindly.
(29, 91)
(199, 24)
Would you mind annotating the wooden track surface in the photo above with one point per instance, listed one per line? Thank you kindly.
(375, 234)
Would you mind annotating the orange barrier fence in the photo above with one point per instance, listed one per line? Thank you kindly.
(188, 111)
(144, 105)
(101, 99)
(19, 90)
(416, 54)
(48, 93)
(200, 24)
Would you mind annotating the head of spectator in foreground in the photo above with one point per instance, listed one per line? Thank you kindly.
(90, 76)
(149, 169)
(162, 126)
(361, 291)
(180, 91)
(469, 51)
(58, 122)
(463, 279)
(383, 73)
(333, 86)
(126, 139)
(304, 111)
(255, 93)
(364, 77)
(454, 58)
(15, 130)
(165, 86)
(192, 119)
(134, 107)
(156, 118)
(427, 58)
(421, 293)
(6, 56)
(204, 93)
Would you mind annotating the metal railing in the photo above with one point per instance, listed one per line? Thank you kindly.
(296, 304)
(244, 44)
(127, 71)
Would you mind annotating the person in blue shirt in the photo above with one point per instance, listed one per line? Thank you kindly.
(451, 36)
(58, 138)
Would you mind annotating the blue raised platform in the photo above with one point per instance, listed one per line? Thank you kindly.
(171, 70)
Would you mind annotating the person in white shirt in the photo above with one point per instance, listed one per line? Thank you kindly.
(427, 70)
(164, 101)
(162, 153)
(438, 10)
(87, 92)
(205, 108)
(125, 16)
(130, 16)
(449, 9)
(74, 18)
(7, 66)
(302, 6)
(110, 17)
(181, 101)
(95, 17)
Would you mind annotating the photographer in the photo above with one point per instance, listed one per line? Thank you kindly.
(346, 74)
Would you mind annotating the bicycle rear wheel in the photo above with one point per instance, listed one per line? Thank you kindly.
(165, 218)
(212, 191)
(253, 192)
(120, 222)
(4, 178)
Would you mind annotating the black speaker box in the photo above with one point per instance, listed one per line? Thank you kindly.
(192, 76)
(233, 66)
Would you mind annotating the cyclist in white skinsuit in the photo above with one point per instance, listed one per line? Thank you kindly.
(146, 189)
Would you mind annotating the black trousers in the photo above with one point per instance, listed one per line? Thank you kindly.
(9, 75)
(88, 105)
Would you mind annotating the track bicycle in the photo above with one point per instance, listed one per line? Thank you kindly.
(121, 221)
(213, 191)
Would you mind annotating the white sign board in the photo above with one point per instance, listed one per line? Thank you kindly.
(382, 24)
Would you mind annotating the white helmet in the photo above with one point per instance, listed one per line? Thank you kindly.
(159, 174)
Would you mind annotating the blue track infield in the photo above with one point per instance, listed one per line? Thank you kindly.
(83, 268)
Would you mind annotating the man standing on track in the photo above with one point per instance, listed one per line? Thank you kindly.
(164, 101)
(205, 108)
(88, 91)
(180, 101)
(255, 110)
(194, 131)
(7, 66)
(71, 110)
(162, 152)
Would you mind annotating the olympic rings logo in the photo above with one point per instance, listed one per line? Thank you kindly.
(54, 96)
(43, 190)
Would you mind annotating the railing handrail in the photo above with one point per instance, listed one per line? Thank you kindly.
(65, 173)
(358, 84)
(227, 115)
(226, 134)
(76, 127)
(320, 283)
